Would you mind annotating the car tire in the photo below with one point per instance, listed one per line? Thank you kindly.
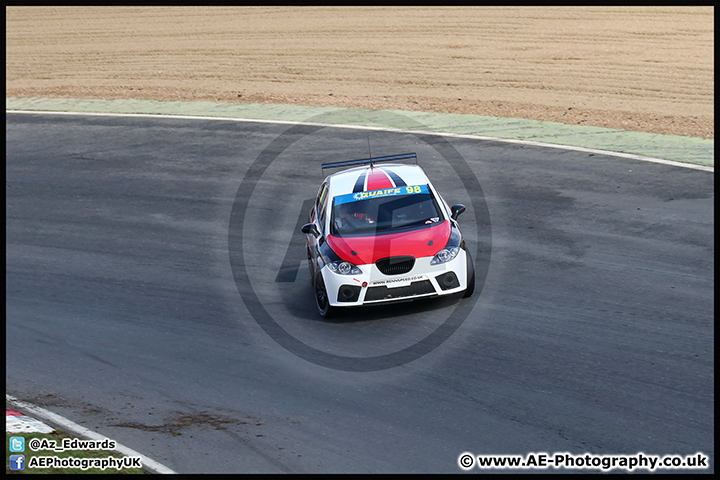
(470, 276)
(321, 298)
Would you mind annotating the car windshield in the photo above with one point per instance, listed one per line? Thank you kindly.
(384, 211)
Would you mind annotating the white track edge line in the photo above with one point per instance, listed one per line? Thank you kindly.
(532, 143)
(72, 427)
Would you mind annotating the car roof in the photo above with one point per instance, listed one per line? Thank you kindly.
(375, 177)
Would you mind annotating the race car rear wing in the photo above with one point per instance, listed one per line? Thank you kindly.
(371, 161)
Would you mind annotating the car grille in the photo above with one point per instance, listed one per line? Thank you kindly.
(395, 265)
(423, 287)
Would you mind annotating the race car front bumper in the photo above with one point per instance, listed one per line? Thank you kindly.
(372, 286)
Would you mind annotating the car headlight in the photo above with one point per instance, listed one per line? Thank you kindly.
(344, 268)
(445, 255)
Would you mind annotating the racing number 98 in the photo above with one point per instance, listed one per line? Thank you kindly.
(415, 189)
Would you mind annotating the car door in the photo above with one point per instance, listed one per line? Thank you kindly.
(318, 215)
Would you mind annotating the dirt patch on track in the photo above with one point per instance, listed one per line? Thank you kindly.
(648, 69)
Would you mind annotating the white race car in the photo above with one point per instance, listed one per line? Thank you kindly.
(383, 234)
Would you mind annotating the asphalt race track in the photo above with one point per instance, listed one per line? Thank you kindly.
(157, 293)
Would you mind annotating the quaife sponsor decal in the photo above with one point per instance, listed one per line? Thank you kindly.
(385, 192)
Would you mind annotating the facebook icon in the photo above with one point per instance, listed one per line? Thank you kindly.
(17, 462)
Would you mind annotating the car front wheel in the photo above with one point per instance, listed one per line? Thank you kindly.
(321, 298)
(470, 276)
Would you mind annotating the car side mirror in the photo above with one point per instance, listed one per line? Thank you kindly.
(456, 210)
(310, 228)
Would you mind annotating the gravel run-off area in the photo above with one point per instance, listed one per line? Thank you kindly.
(647, 69)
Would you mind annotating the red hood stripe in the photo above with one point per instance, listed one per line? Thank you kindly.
(371, 249)
(377, 179)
